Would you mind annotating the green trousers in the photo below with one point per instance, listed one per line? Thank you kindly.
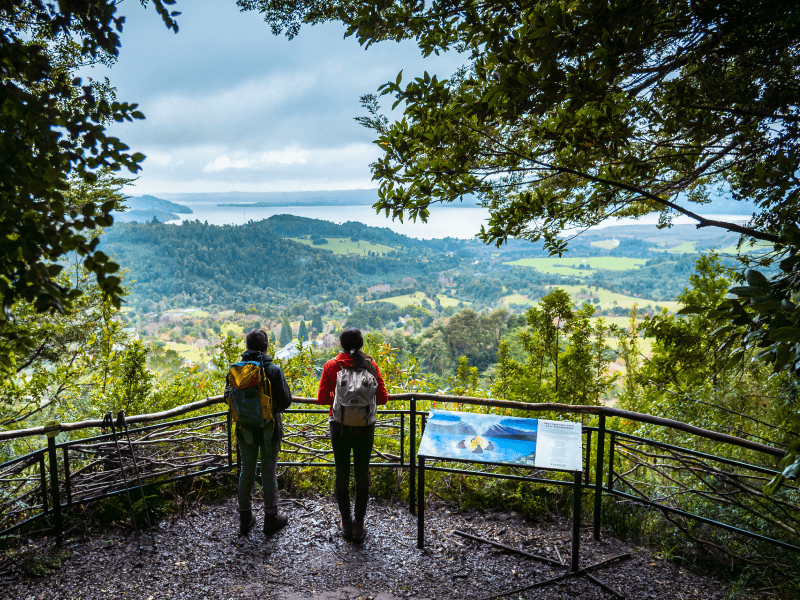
(251, 442)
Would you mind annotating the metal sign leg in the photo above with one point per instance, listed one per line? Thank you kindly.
(421, 503)
(576, 522)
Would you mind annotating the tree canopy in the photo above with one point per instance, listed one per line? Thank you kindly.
(567, 113)
(53, 140)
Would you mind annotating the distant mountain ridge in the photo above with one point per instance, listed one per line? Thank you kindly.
(362, 197)
(146, 208)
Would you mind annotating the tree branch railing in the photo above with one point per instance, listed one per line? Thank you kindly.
(709, 490)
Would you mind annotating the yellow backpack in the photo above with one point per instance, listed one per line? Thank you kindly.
(249, 394)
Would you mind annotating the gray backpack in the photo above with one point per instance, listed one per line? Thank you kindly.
(354, 401)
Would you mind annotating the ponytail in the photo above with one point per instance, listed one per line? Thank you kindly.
(352, 341)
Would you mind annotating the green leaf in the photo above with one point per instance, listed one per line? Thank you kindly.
(745, 291)
(785, 334)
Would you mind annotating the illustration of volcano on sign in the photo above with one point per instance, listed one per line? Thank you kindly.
(480, 437)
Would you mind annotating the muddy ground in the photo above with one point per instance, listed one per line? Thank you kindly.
(201, 557)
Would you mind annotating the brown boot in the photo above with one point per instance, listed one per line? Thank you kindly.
(246, 521)
(273, 523)
(346, 527)
(359, 532)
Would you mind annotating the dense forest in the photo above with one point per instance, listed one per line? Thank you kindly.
(206, 264)
(262, 264)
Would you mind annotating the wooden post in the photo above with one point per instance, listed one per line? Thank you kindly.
(598, 476)
(67, 476)
(43, 482)
(52, 429)
(412, 451)
(402, 440)
(612, 440)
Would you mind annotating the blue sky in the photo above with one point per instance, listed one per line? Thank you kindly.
(231, 107)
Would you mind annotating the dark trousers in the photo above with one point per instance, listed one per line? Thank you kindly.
(359, 440)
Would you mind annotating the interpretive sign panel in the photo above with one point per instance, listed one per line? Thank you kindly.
(478, 437)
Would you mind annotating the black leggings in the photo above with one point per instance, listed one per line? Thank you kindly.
(345, 438)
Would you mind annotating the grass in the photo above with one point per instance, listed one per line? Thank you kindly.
(609, 244)
(346, 246)
(589, 264)
(609, 299)
(417, 298)
(405, 300)
(189, 312)
(518, 299)
(193, 355)
(447, 301)
(759, 246)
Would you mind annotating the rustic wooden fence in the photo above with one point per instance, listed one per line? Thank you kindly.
(714, 497)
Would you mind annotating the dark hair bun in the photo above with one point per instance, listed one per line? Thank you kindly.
(351, 339)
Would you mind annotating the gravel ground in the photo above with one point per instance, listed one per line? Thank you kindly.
(200, 557)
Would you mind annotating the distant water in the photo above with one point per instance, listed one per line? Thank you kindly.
(444, 221)
(456, 221)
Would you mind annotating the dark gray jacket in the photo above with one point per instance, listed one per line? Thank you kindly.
(281, 394)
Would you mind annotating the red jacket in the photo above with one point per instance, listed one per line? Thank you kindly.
(327, 383)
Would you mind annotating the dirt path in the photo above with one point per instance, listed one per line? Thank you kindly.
(200, 557)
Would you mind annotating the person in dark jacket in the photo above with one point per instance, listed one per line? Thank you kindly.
(347, 438)
(266, 440)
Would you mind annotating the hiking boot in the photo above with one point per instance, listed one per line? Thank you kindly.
(359, 532)
(273, 523)
(346, 527)
(246, 521)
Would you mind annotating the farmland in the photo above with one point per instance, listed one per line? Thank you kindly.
(579, 266)
(346, 246)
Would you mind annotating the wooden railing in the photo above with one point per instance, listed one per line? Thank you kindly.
(720, 488)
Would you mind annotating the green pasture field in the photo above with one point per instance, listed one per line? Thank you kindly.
(193, 355)
(192, 313)
(446, 301)
(346, 246)
(759, 246)
(684, 248)
(405, 300)
(608, 300)
(609, 244)
(611, 299)
(417, 298)
(518, 299)
(569, 266)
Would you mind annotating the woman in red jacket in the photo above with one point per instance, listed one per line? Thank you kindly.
(345, 438)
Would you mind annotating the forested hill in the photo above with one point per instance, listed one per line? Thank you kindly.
(291, 226)
(249, 263)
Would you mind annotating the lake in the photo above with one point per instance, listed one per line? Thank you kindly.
(444, 221)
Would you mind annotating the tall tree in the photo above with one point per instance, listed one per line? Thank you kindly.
(286, 331)
(316, 322)
(52, 133)
(302, 332)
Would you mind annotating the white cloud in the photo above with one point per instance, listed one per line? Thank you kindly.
(292, 155)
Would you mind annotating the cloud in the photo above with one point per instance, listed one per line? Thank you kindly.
(283, 157)
(231, 107)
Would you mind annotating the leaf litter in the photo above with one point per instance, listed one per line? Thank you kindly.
(201, 557)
